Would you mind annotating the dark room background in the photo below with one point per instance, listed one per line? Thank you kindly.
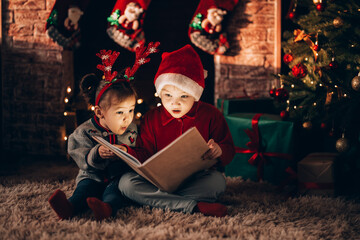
(165, 21)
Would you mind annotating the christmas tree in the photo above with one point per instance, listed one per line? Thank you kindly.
(320, 85)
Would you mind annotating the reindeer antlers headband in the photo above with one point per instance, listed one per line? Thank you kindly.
(108, 59)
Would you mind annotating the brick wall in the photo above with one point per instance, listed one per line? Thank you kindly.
(32, 76)
(254, 34)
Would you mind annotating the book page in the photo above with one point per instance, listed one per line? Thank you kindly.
(192, 135)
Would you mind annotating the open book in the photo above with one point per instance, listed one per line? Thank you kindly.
(168, 168)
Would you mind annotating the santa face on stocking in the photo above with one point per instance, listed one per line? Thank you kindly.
(131, 14)
(74, 15)
(213, 21)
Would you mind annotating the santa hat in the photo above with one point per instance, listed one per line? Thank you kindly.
(182, 69)
(121, 5)
(205, 5)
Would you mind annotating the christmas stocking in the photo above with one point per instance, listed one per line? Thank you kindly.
(206, 29)
(126, 21)
(62, 25)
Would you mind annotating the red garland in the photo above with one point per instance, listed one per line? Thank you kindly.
(254, 146)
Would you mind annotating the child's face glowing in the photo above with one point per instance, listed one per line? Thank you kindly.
(176, 101)
(119, 115)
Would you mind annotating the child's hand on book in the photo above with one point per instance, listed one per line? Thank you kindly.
(121, 147)
(105, 153)
(214, 151)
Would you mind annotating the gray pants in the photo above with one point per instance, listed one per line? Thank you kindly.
(204, 186)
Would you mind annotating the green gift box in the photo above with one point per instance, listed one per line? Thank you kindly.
(246, 105)
(264, 146)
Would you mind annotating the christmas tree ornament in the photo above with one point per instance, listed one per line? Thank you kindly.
(355, 83)
(307, 125)
(323, 126)
(207, 29)
(342, 145)
(281, 94)
(320, 7)
(338, 22)
(272, 92)
(125, 24)
(299, 70)
(292, 8)
(316, 47)
(63, 23)
(284, 115)
(288, 57)
(292, 15)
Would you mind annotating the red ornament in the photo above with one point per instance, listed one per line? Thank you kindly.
(291, 15)
(281, 94)
(272, 92)
(288, 58)
(299, 70)
(284, 114)
(333, 64)
(316, 47)
(320, 7)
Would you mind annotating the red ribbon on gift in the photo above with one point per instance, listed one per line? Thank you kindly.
(314, 185)
(254, 146)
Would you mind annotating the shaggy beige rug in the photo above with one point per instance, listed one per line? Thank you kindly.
(256, 211)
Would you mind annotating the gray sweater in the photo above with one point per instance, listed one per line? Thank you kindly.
(84, 150)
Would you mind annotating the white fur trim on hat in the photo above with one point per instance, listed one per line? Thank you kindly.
(180, 81)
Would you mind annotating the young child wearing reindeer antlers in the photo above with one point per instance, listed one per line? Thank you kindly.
(99, 169)
(180, 82)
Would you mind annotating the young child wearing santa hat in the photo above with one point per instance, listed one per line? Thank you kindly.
(180, 83)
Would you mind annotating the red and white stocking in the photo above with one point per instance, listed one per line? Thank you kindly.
(206, 29)
(126, 21)
(63, 23)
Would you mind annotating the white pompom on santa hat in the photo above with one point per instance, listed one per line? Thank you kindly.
(182, 69)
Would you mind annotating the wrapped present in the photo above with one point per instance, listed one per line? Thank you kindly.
(315, 174)
(246, 105)
(264, 145)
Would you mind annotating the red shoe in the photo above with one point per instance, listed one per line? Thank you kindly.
(61, 205)
(100, 209)
(212, 209)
